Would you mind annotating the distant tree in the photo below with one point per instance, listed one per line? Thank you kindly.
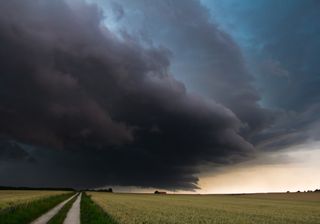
(104, 190)
(288, 192)
(37, 188)
(160, 192)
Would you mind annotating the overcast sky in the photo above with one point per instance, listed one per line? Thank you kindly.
(181, 95)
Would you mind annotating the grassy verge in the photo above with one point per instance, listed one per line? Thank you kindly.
(91, 213)
(27, 212)
(62, 214)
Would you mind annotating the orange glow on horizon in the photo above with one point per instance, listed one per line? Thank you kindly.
(301, 174)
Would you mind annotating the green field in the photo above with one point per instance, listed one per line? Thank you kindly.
(293, 208)
(25, 212)
(10, 198)
(19, 207)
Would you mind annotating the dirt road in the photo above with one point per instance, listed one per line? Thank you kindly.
(73, 216)
(47, 216)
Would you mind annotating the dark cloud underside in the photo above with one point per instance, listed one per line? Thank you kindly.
(146, 93)
(69, 84)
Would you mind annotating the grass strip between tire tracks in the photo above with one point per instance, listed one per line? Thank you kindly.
(91, 213)
(27, 212)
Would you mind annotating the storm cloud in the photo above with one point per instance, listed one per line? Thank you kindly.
(68, 83)
(143, 93)
(283, 51)
(204, 57)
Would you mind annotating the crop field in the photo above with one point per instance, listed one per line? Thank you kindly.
(13, 197)
(293, 208)
(24, 212)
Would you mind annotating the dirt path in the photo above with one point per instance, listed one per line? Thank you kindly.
(47, 216)
(73, 216)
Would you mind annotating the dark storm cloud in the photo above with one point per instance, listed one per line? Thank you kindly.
(205, 58)
(117, 10)
(291, 128)
(109, 103)
(284, 49)
(295, 46)
(11, 151)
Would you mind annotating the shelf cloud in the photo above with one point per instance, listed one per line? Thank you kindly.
(93, 107)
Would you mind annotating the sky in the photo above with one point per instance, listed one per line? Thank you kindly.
(193, 96)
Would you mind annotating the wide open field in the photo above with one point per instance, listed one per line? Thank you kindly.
(14, 197)
(290, 208)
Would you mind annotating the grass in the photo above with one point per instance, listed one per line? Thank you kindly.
(302, 208)
(9, 198)
(91, 213)
(24, 213)
(62, 214)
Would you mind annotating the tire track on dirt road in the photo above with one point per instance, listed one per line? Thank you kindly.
(43, 219)
(73, 216)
